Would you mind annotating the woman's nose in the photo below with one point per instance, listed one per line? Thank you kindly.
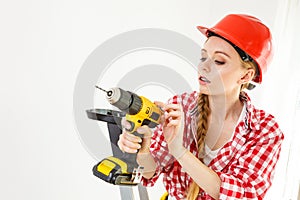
(204, 66)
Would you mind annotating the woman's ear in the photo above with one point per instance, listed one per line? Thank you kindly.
(248, 76)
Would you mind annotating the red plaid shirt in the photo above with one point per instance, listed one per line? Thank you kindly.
(244, 164)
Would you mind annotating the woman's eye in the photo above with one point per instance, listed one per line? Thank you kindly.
(219, 62)
(202, 59)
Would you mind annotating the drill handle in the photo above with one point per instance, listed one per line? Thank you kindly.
(136, 122)
(133, 129)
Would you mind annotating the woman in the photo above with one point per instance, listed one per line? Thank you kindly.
(215, 144)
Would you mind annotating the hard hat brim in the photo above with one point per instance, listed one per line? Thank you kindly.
(203, 30)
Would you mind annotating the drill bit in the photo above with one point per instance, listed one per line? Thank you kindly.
(109, 93)
(100, 88)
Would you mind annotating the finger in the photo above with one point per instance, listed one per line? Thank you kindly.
(160, 104)
(125, 148)
(120, 145)
(145, 130)
(131, 145)
(170, 107)
(132, 138)
(130, 150)
(128, 146)
(173, 114)
(173, 122)
(125, 123)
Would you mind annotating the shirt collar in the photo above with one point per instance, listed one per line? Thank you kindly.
(251, 121)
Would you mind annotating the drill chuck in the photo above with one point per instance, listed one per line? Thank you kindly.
(124, 100)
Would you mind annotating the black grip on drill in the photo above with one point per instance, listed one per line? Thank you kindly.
(149, 123)
(136, 104)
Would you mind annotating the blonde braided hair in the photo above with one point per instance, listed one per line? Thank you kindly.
(202, 127)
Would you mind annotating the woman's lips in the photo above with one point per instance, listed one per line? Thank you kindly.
(203, 80)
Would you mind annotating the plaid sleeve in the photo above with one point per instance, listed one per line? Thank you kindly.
(165, 162)
(160, 152)
(251, 175)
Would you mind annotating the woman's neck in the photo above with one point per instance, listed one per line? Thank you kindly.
(224, 114)
(225, 106)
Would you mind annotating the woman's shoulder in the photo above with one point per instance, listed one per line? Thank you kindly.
(260, 121)
(265, 124)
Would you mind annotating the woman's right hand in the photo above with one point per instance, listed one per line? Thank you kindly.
(130, 143)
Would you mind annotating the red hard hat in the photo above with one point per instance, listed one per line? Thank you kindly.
(249, 34)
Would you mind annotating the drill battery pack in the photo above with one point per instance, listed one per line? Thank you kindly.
(121, 168)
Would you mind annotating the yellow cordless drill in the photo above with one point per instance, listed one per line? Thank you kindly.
(124, 170)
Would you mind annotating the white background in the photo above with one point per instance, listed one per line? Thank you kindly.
(42, 47)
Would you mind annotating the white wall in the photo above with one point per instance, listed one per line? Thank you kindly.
(43, 45)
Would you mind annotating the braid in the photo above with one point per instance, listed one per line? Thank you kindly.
(202, 127)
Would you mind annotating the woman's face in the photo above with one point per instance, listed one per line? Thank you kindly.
(220, 70)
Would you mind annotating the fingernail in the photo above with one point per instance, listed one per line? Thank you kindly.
(161, 109)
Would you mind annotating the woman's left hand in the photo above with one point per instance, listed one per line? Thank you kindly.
(173, 128)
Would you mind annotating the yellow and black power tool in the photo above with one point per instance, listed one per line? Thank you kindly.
(122, 169)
